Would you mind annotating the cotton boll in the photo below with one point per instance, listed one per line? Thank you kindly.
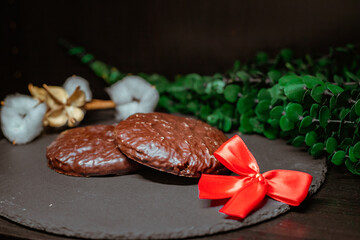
(21, 118)
(119, 93)
(133, 95)
(125, 110)
(137, 86)
(73, 82)
(149, 100)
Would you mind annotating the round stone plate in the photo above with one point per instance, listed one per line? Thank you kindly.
(148, 204)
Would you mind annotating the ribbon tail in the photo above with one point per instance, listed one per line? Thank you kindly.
(219, 186)
(234, 155)
(287, 186)
(246, 199)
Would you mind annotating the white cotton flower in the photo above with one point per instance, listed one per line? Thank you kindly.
(131, 95)
(73, 82)
(125, 110)
(21, 118)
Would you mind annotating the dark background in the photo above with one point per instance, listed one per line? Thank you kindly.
(167, 37)
(178, 37)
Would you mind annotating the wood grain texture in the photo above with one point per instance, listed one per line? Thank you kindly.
(167, 37)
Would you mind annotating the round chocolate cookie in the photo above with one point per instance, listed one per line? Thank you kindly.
(178, 145)
(88, 151)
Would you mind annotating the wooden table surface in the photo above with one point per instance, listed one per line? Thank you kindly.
(332, 213)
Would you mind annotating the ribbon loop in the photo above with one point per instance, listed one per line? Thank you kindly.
(247, 191)
(218, 186)
(290, 187)
(245, 200)
(234, 155)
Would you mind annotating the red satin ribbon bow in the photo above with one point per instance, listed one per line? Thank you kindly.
(247, 190)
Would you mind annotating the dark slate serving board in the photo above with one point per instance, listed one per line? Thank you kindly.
(148, 204)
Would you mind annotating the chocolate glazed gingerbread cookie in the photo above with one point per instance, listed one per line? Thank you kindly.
(88, 151)
(178, 145)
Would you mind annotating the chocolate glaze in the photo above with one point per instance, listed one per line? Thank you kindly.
(178, 145)
(88, 151)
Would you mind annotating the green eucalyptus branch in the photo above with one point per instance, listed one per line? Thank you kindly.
(312, 101)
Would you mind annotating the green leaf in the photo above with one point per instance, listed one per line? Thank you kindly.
(332, 103)
(263, 108)
(100, 69)
(277, 94)
(264, 94)
(176, 87)
(311, 81)
(310, 138)
(245, 126)
(352, 155)
(166, 103)
(356, 150)
(314, 110)
(298, 141)
(344, 113)
(353, 115)
(271, 133)
(227, 123)
(331, 145)
(274, 75)
(237, 65)
(334, 89)
(352, 76)
(321, 76)
(324, 116)
(87, 58)
(286, 124)
(357, 107)
(231, 92)
(218, 86)
(338, 158)
(275, 123)
(293, 111)
(227, 109)
(317, 149)
(214, 118)
(295, 92)
(317, 93)
(277, 112)
(286, 54)
(115, 76)
(157, 80)
(339, 80)
(290, 79)
(256, 125)
(343, 98)
(192, 106)
(350, 46)
(345, 143)
(244, 76)
(76, 50)
(261, 57)
(181, 96)
(199, 86)
(205, 111)
(245, 103)
(305, 124)
(187, 81)
(194, 82)
(354, 168)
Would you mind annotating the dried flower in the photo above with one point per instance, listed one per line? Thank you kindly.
(63, 109)
(73, 82)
